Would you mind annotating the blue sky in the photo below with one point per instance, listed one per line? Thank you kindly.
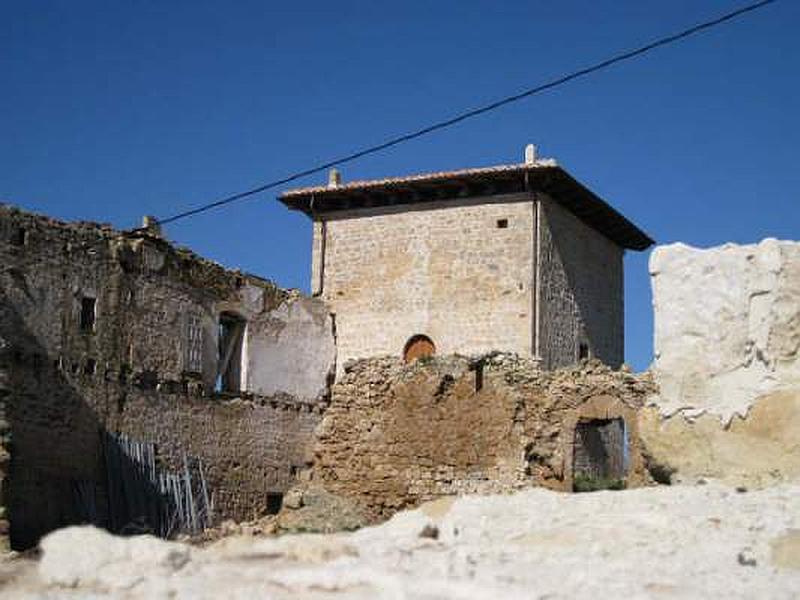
(112, 110)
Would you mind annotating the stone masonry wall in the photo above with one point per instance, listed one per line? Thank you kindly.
(445, 270)
(448, 270)
(131, 371)
(582, 298)
(5, 451)
(397, 435)
(249, 447)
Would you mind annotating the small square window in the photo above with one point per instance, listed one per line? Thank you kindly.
(88, 313)
(502, 223)
(20, 237)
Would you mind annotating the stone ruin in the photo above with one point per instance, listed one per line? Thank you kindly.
(396, 435)
(144, 388)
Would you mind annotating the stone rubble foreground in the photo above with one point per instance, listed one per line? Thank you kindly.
(698, 541)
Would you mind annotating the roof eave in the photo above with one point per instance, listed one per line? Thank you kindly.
(551, 179)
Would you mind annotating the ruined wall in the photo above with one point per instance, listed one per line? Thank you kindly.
(249, 447)
(727, 361)
(445, 270)
(397, 435)
(142, 362)
(727, 325)
(292, 350)
(582, 292)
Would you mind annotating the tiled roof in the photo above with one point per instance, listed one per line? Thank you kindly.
(421, 178)
(544, 176)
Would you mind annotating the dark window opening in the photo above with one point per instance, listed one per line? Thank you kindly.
(583, 351)
(274, 503)
(479, 377)
(599, 455)
(88, 314)
(418, 346)
(19, 237)
(147, 380)
(229, 366)
(90, 366)
(502, 223)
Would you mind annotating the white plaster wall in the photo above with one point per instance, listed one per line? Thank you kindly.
(290, 350)
(727, 325)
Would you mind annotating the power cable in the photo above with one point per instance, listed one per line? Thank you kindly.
(475, 112)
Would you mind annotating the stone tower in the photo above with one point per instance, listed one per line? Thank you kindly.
(519, 258)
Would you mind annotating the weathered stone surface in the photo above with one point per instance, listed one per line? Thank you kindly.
(759, 449)
(108, 332)
(727, 325)
(395, 435)
(88, 557)
(727, 342)
(667, 542)
(786, 550)
(319, 511)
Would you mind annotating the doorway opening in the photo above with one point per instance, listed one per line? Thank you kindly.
(599, 459)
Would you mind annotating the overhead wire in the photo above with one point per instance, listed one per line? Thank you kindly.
(624, 56)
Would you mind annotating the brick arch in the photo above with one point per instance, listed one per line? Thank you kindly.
(418, 346)
(603, 408)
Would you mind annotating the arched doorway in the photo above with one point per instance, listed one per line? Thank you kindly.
(418, 346)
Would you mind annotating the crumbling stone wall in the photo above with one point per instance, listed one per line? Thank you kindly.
(727, 362)
(397, 435)
(249, 447)
(727, 325)
(109, 332)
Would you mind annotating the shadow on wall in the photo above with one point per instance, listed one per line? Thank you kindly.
(587, 314)
(58, 474)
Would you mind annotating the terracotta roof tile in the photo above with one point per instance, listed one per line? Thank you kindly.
(437, 176)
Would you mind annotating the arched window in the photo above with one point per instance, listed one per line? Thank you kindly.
(418, 346)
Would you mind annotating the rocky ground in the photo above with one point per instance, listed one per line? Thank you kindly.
(683, 541)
